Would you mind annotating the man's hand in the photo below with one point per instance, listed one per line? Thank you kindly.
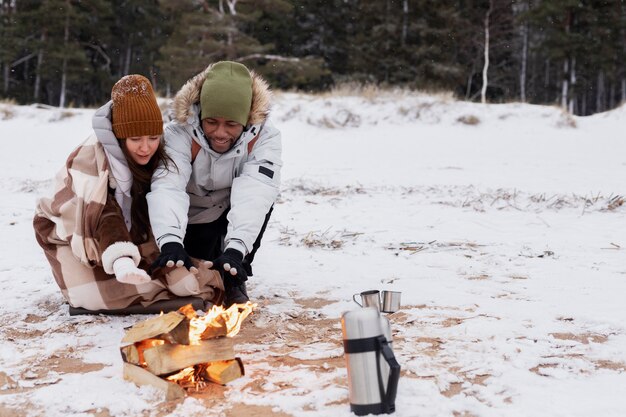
(231, 262)
(173, 253)
(126, 272)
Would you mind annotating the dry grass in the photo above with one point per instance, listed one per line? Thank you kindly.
(432, 246)
(566, 120)
(372, 92)
(342, 118)
(6, 113)
(469, 119)
(613, 203)
(66, 115)
(312, 189)
(6, 108)
(8, 101)
(369, 92)
(332, 240)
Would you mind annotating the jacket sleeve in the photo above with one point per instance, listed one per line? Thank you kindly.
(255, 190)
(168, 201)
(113, 236)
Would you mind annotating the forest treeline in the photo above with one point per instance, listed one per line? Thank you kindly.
(565, 52)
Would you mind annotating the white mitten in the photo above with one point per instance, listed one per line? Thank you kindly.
(126, 272)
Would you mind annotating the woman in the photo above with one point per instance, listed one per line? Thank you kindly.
(95, 230)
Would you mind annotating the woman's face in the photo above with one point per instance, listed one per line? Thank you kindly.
(141, 148)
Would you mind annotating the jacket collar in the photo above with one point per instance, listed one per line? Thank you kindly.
(101, 123)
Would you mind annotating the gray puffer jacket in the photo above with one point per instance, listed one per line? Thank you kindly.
(198, 190)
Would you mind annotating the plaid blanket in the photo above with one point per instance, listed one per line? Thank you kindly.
(82, 231)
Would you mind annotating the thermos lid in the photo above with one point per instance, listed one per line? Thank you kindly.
(361, 323)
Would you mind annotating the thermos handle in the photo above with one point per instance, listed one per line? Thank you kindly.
(394, 374)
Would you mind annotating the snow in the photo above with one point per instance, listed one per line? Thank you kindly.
(500, 225)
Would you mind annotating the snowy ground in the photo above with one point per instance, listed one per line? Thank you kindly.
(502, 225)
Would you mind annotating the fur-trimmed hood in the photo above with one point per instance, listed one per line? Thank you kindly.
(189, 96)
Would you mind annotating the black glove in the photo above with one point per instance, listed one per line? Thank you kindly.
(173, 253)
(231, 261)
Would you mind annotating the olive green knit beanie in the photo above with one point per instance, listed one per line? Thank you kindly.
(227, 92)
(135, 111)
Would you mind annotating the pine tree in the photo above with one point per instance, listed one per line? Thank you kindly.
(284, 64)
(9, 47)
(54, 63)
(139, 29)
(203, 35)
(561, 25)
(323, 32)
(603, 58)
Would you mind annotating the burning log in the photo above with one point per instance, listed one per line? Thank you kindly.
(140, 376)
(134, 353)
(190, 349)
(167, 358)
(216, 328)
(223, 372)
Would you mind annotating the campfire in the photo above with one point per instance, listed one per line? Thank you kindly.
(181, 351)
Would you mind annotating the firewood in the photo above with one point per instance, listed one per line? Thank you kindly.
(140, 377)
(217, 328)
(179, 334)
(168, 358)
(130, 354)
(188, 311)
(165, 326)
(222, 372)
(133, 353)
(153, 327)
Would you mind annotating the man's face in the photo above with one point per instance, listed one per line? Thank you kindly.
(221, 133)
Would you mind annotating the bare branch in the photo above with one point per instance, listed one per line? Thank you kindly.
(270, 57)
(23, 59)
(100, 51)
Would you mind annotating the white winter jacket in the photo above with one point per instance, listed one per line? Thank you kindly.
(198, 190)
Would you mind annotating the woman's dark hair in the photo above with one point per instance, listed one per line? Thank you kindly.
(142, 176)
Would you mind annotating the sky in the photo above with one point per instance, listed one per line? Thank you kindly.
(501, 225)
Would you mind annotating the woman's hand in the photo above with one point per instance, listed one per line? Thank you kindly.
(127, 273)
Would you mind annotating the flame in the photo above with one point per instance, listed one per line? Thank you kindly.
(219, 322)
(188, 377)
(181, 375)
(193, 377)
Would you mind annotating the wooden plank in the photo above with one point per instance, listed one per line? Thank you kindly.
(222, 372)
(169, 358)
(140, 377)
(154, 327)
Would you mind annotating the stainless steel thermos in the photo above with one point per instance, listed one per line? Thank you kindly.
(373, 371)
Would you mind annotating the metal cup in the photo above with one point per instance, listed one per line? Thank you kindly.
(390, 301)
(369, 298)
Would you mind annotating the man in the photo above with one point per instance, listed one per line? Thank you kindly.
(216, 202)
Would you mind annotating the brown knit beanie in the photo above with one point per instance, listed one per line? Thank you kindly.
(135, 111)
